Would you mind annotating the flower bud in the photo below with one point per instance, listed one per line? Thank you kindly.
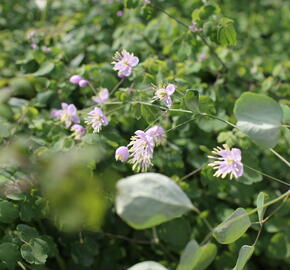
(122, 153)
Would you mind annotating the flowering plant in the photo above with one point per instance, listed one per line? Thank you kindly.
(173, 156)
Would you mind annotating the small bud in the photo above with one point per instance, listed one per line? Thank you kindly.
(75, 79)
(83, 83)
(122, 153)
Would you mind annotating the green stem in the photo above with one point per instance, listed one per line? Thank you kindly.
(280, 157)
(259, 208)
(266, 175)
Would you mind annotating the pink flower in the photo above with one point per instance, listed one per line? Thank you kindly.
(102, 96)
(97, 119)
(158, 134)
(122, 153)
(78, 131)
(165, 94)
(75, 79)
(228, 162)
(83, 83)
(67, 115)
(124, 63)
(141, 151)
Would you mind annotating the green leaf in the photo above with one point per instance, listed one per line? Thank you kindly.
(191, 99)
(206, 105)
(131, 3)
(35, 251)
(149, 113)
(259, 117)
(227, 35)
(148, 199)
(25, 232)
(9, 254)
(260, 203)
(233, 227)
(148, 265)
(175, 233)
(244, 255)
(195, 257)
(8, 212)
(44, 69)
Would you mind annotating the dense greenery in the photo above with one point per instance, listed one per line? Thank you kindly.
(63, 204)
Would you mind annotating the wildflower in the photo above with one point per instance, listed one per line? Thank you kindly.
(97, 119)
(193, 27)
(102, 96)
(75, 79)
(83, 83)
(141, 151)
(202, 57)
(122, 153)
(124, 63)
(67, 115)
(34, 46)
(165, 94)
(120, 13)
(158, 134)
(228, 162)
(78, 131)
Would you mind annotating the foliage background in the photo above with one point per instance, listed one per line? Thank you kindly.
(67, 219)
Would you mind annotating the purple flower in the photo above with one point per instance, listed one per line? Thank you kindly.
(75, 79)
(227, 161)
(165, 94)
(34, 46)
(97, 119)
(120, 13)
(122, 153)
(124, 63)
(202, 57)
(158, 134)
(83, 83)
(78, 131)
(67, 115)
(193, 27)
(102, 96)
(141, 151)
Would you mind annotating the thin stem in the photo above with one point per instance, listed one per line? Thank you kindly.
(192, 173)
(268, 176)
(117, 86)
(280, 157)
(258, 235)
(217, 118)
(286, 194)
(186, 122)
(121, 237)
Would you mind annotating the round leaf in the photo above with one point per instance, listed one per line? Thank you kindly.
(147, 266)
(259, 117)
(148, 199)
(35, 252)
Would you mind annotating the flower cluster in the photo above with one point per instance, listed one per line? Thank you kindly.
(141, 148)
(78, 79)
(67, 115)
(165, 94)
(227, 161)
(97, 119)
(124, 63)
